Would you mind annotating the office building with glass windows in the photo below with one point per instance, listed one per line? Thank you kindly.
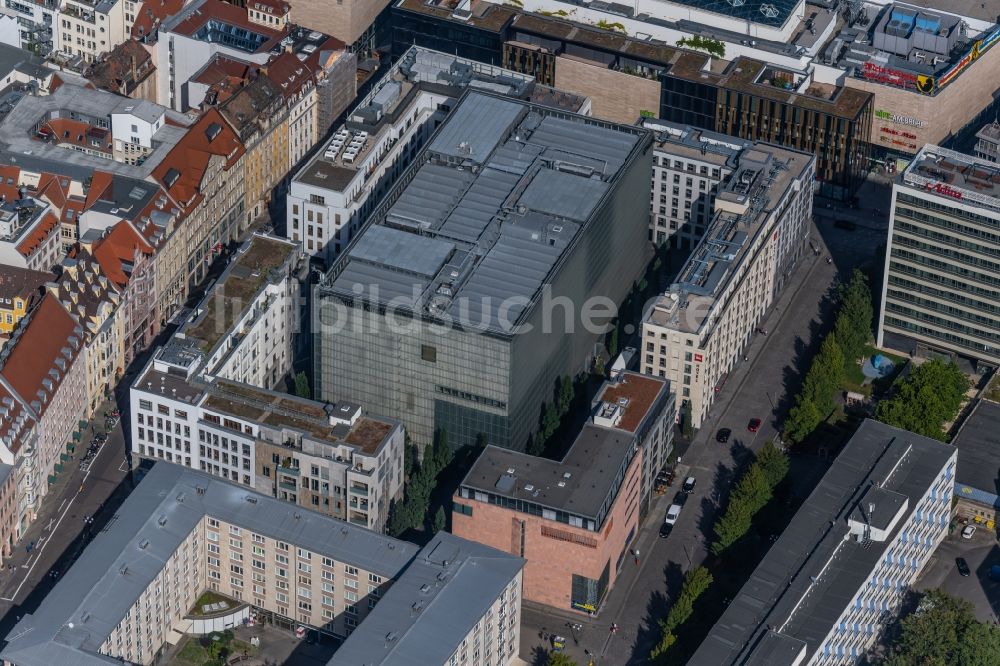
(941, 288)
(463, 301)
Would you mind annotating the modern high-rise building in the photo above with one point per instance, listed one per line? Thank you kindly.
(694, 334)
(825, 591)
(182, 533)
(466, 297)
(941, 289)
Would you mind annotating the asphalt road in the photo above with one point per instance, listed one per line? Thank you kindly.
(981, 552)
(761, 388)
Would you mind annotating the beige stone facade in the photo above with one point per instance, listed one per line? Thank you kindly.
(906, 120)
(615, 96)
(347, 20)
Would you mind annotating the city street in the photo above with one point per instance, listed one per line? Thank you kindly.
(761, 388)
(981, 552)
(60, 531)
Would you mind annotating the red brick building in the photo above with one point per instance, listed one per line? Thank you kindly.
(573, 520)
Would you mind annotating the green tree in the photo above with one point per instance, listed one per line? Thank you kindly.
(695, 583)
(930, 397)
(559, 659)
(853, 326)
(440, 520)
(613, 341)
(302, 386)
(773, 463)
(751, 493)
(686, 420)
(802, 418)
(565, 396)
(943, 631)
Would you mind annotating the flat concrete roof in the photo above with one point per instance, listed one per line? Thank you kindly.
(814, 570)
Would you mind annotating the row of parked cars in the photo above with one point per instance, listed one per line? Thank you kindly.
(674, 510)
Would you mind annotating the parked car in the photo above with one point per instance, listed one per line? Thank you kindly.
(723, 435)
(680, 498)
(754, 425)
(689, 484)
(673, 513)
(968, 531)
(963, 566)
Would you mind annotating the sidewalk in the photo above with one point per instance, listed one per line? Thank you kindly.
(55, 506)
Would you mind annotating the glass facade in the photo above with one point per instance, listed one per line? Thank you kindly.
(588, 593)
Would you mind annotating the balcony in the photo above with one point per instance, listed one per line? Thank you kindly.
(359, 490)
(290, 471)
(290, 487)
(362, 504)
(358, 519)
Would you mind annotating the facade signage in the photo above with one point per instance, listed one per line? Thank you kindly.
(979, 47)
(946, 190)
(895, 77)
(699, 358)
(899, 120)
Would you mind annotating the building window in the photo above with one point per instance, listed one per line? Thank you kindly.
(428, 353)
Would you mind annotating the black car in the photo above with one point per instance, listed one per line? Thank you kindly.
(688, 486)
(963, 566)
(665, 530)
(723, 435)
(680, 497)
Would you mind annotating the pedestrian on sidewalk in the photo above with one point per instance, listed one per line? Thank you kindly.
(635, 553)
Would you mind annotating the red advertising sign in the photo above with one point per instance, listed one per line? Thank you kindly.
(946, 190)
(895, 77)
(699, 358)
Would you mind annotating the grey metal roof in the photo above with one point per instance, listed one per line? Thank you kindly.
(17, 129)
(397, 249)
(814, 571)
(978, 446)
(166, 506)
(565, 195)
(432, 606)
(464, 236)
(12, 58)
(476, 127)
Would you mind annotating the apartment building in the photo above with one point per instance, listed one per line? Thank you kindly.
(689, 166)
(695, 333)
(464, 258)
(43, 374)
(835, 577)
(29, 234)
(94, 302)
(204, 175)
(247, 323)
(182, 532)
(212, 379)
(333, 194)
(20, 290)
(126, 258)
(86, 29)
(128, 70)
(277, 109)
(940, 288)
(574, 520)
(74, 131)
(328, 458)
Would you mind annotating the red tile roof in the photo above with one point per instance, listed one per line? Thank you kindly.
(100, 181)
(152, 14)
(35, 350)
(10, 178)
(54, 188)
(182, 170)
(64, 130)
(43, 228)
(117, 248)
(226, 13)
